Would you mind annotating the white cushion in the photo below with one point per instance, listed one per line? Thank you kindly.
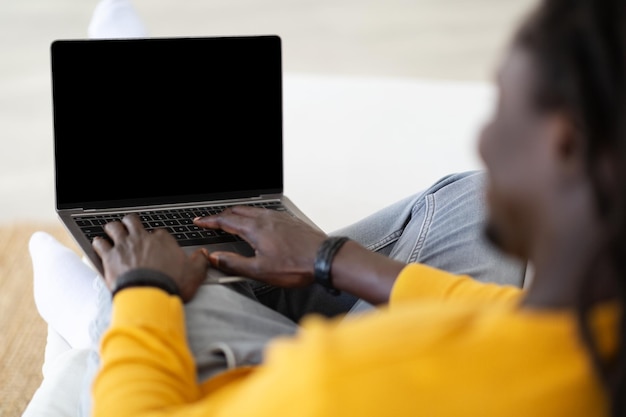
(366, 142)
(355, 144)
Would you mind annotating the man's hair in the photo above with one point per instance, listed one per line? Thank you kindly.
(578, 50)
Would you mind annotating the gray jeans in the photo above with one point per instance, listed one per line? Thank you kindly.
(229, 325)
(442, 226)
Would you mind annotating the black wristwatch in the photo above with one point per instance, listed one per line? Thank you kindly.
(143, 277)
(323, 262)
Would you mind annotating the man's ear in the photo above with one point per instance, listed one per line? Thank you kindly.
(570, 148)
(567, 143)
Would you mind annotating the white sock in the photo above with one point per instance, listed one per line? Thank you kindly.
(63, 288)
(116, 19)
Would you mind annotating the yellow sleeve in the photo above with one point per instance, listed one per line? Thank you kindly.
(418, 281)
(413, 360)
(147, 366)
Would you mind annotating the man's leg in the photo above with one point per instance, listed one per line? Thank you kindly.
(227, 328)
(442, 226)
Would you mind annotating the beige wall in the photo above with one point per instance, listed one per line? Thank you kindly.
(452, 39)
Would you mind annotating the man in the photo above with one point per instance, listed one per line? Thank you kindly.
(440, 344)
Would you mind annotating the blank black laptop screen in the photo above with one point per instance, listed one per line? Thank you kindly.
(139, 121)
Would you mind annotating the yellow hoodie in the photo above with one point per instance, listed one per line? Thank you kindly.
(445, 345)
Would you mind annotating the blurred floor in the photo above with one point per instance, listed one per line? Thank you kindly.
(441, 39)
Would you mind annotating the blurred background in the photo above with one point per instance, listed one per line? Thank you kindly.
(408, 39)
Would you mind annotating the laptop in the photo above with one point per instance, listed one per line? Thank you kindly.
(170, 129)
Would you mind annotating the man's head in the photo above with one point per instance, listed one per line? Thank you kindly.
(556, 140)
(555, 152)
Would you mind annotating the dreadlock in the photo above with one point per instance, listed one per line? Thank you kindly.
(579, 51)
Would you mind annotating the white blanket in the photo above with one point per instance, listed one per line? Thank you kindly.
(362, 143)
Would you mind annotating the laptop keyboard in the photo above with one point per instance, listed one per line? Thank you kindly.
(178, 222)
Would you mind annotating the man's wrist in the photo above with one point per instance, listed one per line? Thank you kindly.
(144, 277)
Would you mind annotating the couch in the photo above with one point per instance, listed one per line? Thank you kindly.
(352, 145)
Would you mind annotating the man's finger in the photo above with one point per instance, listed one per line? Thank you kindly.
(116, 230)
(133, 224)
(233, 263)
(199, 261)
(227, 221)
(101, 246)
(163, 233)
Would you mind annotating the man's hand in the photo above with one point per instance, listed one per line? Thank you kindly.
(133, 247)
(285, 248)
